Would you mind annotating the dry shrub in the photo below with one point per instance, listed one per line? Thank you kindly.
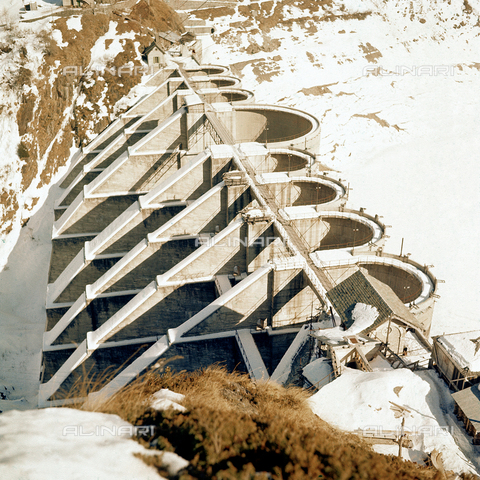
(234, 428)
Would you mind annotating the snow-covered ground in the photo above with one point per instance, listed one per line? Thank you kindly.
(367, 408)
(62, 443)
(23, 283)
(406, 143)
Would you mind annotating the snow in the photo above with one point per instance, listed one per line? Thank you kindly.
(10, 165)
(12, 11)
(416, 456)
(380, 364)
(363, 316)
(101, 55)
(75, 23)
(255, 212)
(66, 443)
(463, 349)
(173, 462)
(416, 351)
(164, 399)
(367, 407)
(58, 37)
(22, 323)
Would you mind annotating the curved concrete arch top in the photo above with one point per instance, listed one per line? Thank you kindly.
(214, 81)
(336, 229)
(302, 191)
(291, 160)
(232, 95)
(265, 160)
(409, 280)
(281, 126)
(209, 69)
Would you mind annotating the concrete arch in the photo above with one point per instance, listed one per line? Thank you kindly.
(214, 81)
(407, 286)
(301, 191)
(232, 95)
(283, 160)
(281, 126)
(412, 282)
(208, 70)
(330, 230)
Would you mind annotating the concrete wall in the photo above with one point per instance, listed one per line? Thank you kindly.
(162, 112)
(94, 214)
(140, 171)
(294, 300)
(279, 162)
(405, 285)
(101, 367)
(155, 260)
(312, 231)
(238, 198)
(242, 311)
(96, 314)
(280, 124)
(77, 168)
(214, 82)
(147, 221)
(179, 303)
(64, 251)
(205, 218)
(248, 126)
(78, 187)
(195, 355)
(219, 259)
(264, 244)
(88, 275)
(226, 96)
(191, 186)
(168, 138)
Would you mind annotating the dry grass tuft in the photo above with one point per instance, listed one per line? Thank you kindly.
(234, 428)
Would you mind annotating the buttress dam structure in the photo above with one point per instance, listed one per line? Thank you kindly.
(199, 228)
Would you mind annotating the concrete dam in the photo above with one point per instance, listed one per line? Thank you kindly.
(200, 228)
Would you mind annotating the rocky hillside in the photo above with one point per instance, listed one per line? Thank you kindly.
(59, 86)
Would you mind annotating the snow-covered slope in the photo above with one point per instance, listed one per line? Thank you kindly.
(395, 84)
(368, 408)
(65, 443)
